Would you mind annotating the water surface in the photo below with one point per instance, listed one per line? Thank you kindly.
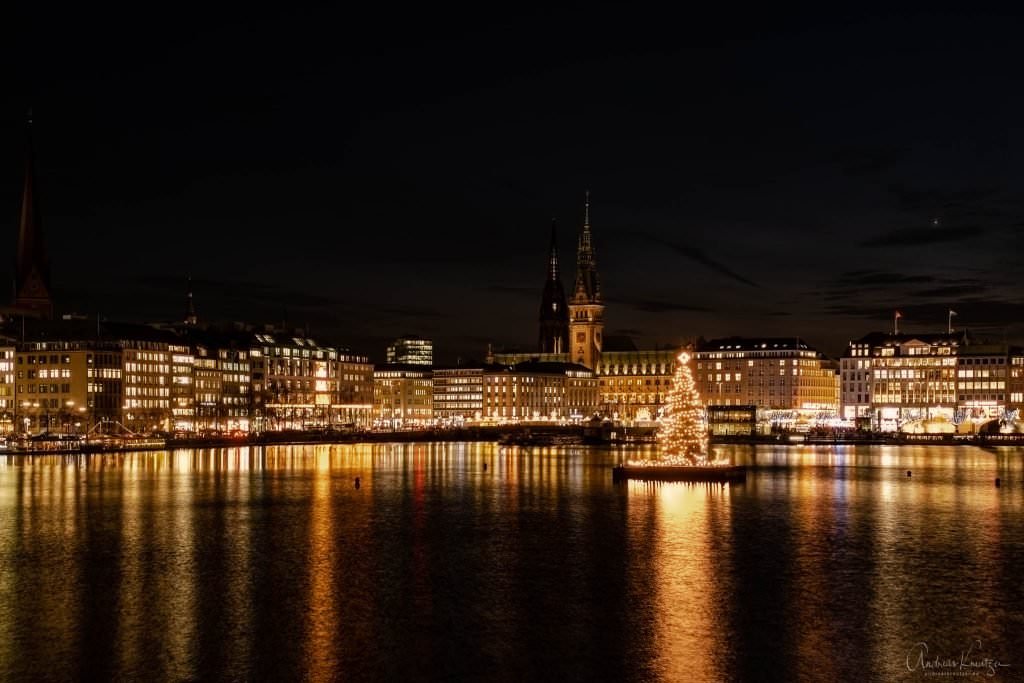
(470, 561)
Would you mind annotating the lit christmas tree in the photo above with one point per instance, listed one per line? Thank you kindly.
(683, 435)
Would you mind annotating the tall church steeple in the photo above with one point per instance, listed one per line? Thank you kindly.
(586, 312)
(588, 284)
(554, 314)
(32, 269)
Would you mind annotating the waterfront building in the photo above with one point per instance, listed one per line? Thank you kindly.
(92, 372)
(539, 391)
(411, 350)
(586, 308)
(554, 312)
(222, 377)
(403, 396)
(982, 379)
(855, 381)
(458, 394)
(1015, 381)
(294, 381)
(633, 384)
(52, 389)
(913, 378)
(790, 384)
(8, 353)
(939, 383)
(353, 405)
(183, 390)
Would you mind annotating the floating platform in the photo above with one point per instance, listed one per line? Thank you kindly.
(695, 473)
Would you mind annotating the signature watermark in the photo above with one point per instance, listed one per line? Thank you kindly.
(970, 662)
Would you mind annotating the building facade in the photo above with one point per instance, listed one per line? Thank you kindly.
(410, 350)
(537, 391)
(458, 394)
(634, 384)
(353, 406)
(403, 396)
(789, 383)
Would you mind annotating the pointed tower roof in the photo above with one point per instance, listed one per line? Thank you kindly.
(588, 285)
(32, 269)
(553, 274)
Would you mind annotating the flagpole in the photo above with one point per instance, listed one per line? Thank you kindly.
(949, 325)
(896, 324)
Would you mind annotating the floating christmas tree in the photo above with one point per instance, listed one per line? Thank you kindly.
(683, 435)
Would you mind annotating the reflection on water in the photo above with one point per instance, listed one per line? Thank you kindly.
(227, 564)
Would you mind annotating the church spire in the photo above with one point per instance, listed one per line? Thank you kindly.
(553, 258)
(32, 269)
(588, 285)
(554, 313)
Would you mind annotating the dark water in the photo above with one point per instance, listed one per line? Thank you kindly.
(827, 565)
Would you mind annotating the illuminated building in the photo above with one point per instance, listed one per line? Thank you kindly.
(855, 381)
(410, 350)
(633, 384)
(32, 269)
(586, 310)
(403, 396)
(913, 378)
(789, 383)
(982, 376)
(294, 382)
(183, 399)
(1015, 380)
(52, 388)
(458, 394)
(537, 391)
(89, 372)
(7, 388)
(222, 377)
(353, 406)
(554, 314)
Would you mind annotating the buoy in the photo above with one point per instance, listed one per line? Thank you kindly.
(997, 482)
(357, 482)
(908, 473)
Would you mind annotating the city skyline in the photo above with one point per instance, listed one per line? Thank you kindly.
(731, 194)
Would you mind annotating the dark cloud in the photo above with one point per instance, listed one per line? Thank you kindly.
(932, 199)
(248, 290)
(697, 256)
(518, 290)
(412, 312)
(867, 161)
(951, 291)
(862, 278)
(657, 306)
(917, 237)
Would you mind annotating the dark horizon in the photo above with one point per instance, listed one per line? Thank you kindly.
(775, 174)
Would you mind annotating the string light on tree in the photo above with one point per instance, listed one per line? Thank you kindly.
(683, 433)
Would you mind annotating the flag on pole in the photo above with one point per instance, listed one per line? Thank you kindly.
(898, 315)
(952, 312)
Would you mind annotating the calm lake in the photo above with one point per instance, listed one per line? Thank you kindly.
(469, 561)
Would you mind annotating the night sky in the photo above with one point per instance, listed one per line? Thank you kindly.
(372, 173)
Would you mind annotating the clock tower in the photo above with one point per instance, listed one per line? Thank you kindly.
(586, 310)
